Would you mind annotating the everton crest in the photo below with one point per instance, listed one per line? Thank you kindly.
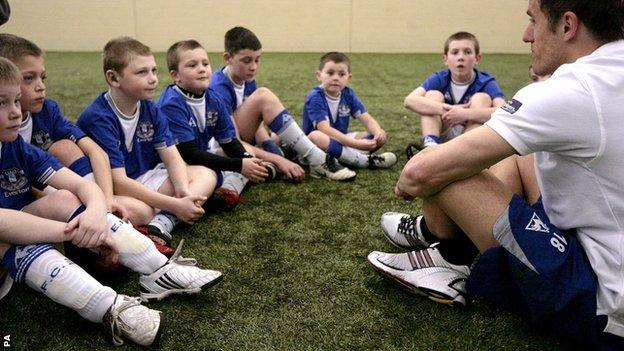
(344, 111)
(145, 131)
(41, 139)
(211, 118)
(12, 179)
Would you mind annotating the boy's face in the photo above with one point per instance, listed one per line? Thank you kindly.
(138, 79)
(333, 77)
(33, 87)
(194, 71)
(243, 66)
(461, 59)
(10, 112)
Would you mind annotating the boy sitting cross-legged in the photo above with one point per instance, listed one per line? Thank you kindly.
(326, 115)
(197, 115)
(251, 107)
(76, 212)
(135, 135)
(456, 99)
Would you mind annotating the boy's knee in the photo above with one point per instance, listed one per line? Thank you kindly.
(264, 95)
(201, 173)
(65, 151)
(435, 95)
(318, 138)
(480, 100)
(63, 196)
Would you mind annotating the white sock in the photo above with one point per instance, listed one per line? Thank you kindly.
(295, 139)
(66, 283)
(353, 157)
(165, 220)
(136, 251)
(234, 181)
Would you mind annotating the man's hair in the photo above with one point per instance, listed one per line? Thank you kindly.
(14, 47)
(118, 52)
(173, 53)
(461, 36)
(334, 56)
(9, 73)
(603, 18)
(240, 38)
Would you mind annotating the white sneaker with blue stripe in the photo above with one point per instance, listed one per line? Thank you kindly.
(178, 276)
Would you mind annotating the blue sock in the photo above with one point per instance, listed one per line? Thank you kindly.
(81, 166)
(280, 122)
(334, 149)
(431, 139)
(271, 146)
(18, 259)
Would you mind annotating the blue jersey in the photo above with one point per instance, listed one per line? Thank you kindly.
(316, 109)
(196, 119)
(101, 121)
(23, 166)
(223, 86)
(49, 126)
(441, 81)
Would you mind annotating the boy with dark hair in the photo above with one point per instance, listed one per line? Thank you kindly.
(326, 114)
(135, 135)
(555, 256)
(251, 107)
(76, 213)
(456, 99)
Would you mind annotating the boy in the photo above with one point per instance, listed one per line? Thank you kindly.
(456, 99)
(326, 115)
(251, 107)
(24, 235)
(135, 135)
(196, 115)
(45, 126)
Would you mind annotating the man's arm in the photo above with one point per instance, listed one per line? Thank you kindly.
(435, 167)
(417, 102)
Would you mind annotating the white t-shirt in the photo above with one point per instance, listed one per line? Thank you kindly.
(574, 123)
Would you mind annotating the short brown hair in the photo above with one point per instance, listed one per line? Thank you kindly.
(9, 73)
(118, 52)
(241, 38)
(14, 47)
(461, 36)
(603, 18)
(334, 56)
(173, 53)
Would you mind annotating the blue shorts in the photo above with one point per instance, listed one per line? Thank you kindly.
(540, 273)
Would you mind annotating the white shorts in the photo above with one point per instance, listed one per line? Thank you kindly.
(154, 178)
(214, 147)
(452, 132)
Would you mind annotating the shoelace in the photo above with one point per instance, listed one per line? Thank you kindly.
(181, 260)
(115, 312)
(406, 225)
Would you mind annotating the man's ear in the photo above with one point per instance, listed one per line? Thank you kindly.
(570, 24)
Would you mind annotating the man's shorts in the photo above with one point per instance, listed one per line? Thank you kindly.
(540, 273)
(154, 178)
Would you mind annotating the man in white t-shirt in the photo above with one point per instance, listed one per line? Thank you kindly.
(557, 260)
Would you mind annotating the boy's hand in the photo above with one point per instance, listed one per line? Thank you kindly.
(380, 138)
(89, 229)
(117, 209)
(365, 144)
(290, 169)
(189, 208)
(455, 114)
(254, 170)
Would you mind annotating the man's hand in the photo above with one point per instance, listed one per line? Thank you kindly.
(254, 170)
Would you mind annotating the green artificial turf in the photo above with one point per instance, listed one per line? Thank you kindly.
(293, 256)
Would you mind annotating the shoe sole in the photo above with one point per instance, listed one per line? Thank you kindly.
(158, 297)
(318, 176)
(430, 294)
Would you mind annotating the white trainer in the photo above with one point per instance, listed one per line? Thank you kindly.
(403, 230)
(128, 319)
(385, 160)
(424, 272)
(332, 170)
(178, 276)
